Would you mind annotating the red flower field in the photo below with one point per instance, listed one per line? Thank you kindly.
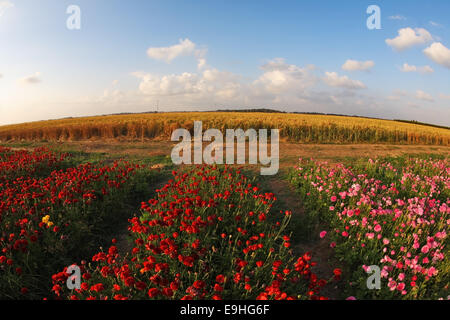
(209, 234)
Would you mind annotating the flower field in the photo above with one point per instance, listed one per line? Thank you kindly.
(210, 234)
(47, 209)
(391, 214)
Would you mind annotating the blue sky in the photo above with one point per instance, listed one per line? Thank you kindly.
(313, 56)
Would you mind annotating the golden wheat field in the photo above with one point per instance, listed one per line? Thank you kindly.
(303, 128)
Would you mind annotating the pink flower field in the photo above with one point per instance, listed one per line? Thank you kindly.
(391, 214)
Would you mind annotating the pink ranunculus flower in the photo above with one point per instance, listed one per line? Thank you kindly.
(392, 285)
(432, 271)
(401, 286)
(351, 298)
(425, 249)
(377, 228)
(323, 234)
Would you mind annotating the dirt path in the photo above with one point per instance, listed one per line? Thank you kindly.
(124, 244)
(320, 249)
(289, 151)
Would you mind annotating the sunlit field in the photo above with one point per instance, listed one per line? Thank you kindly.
(294, 127)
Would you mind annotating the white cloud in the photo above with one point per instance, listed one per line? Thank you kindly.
(354, 65)
(32, 79)
(439, 54)
(111, 96)
(397, 17)
(332, 79)
(201, 63)
(411, 68)
(138, 74)
(184, 83)
(207, 84)
(5, 5)
(424, 96)
(408, 37)
(167, 54)
(435, 24)
(280, 77)
(336, 100)
(184, 48)
(405, 96)
(444, 96)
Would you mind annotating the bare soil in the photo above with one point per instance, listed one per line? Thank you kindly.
(289, 152)
(321, 252)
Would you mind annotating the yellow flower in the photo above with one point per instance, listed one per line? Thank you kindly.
(46, 219)
(49, 224)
